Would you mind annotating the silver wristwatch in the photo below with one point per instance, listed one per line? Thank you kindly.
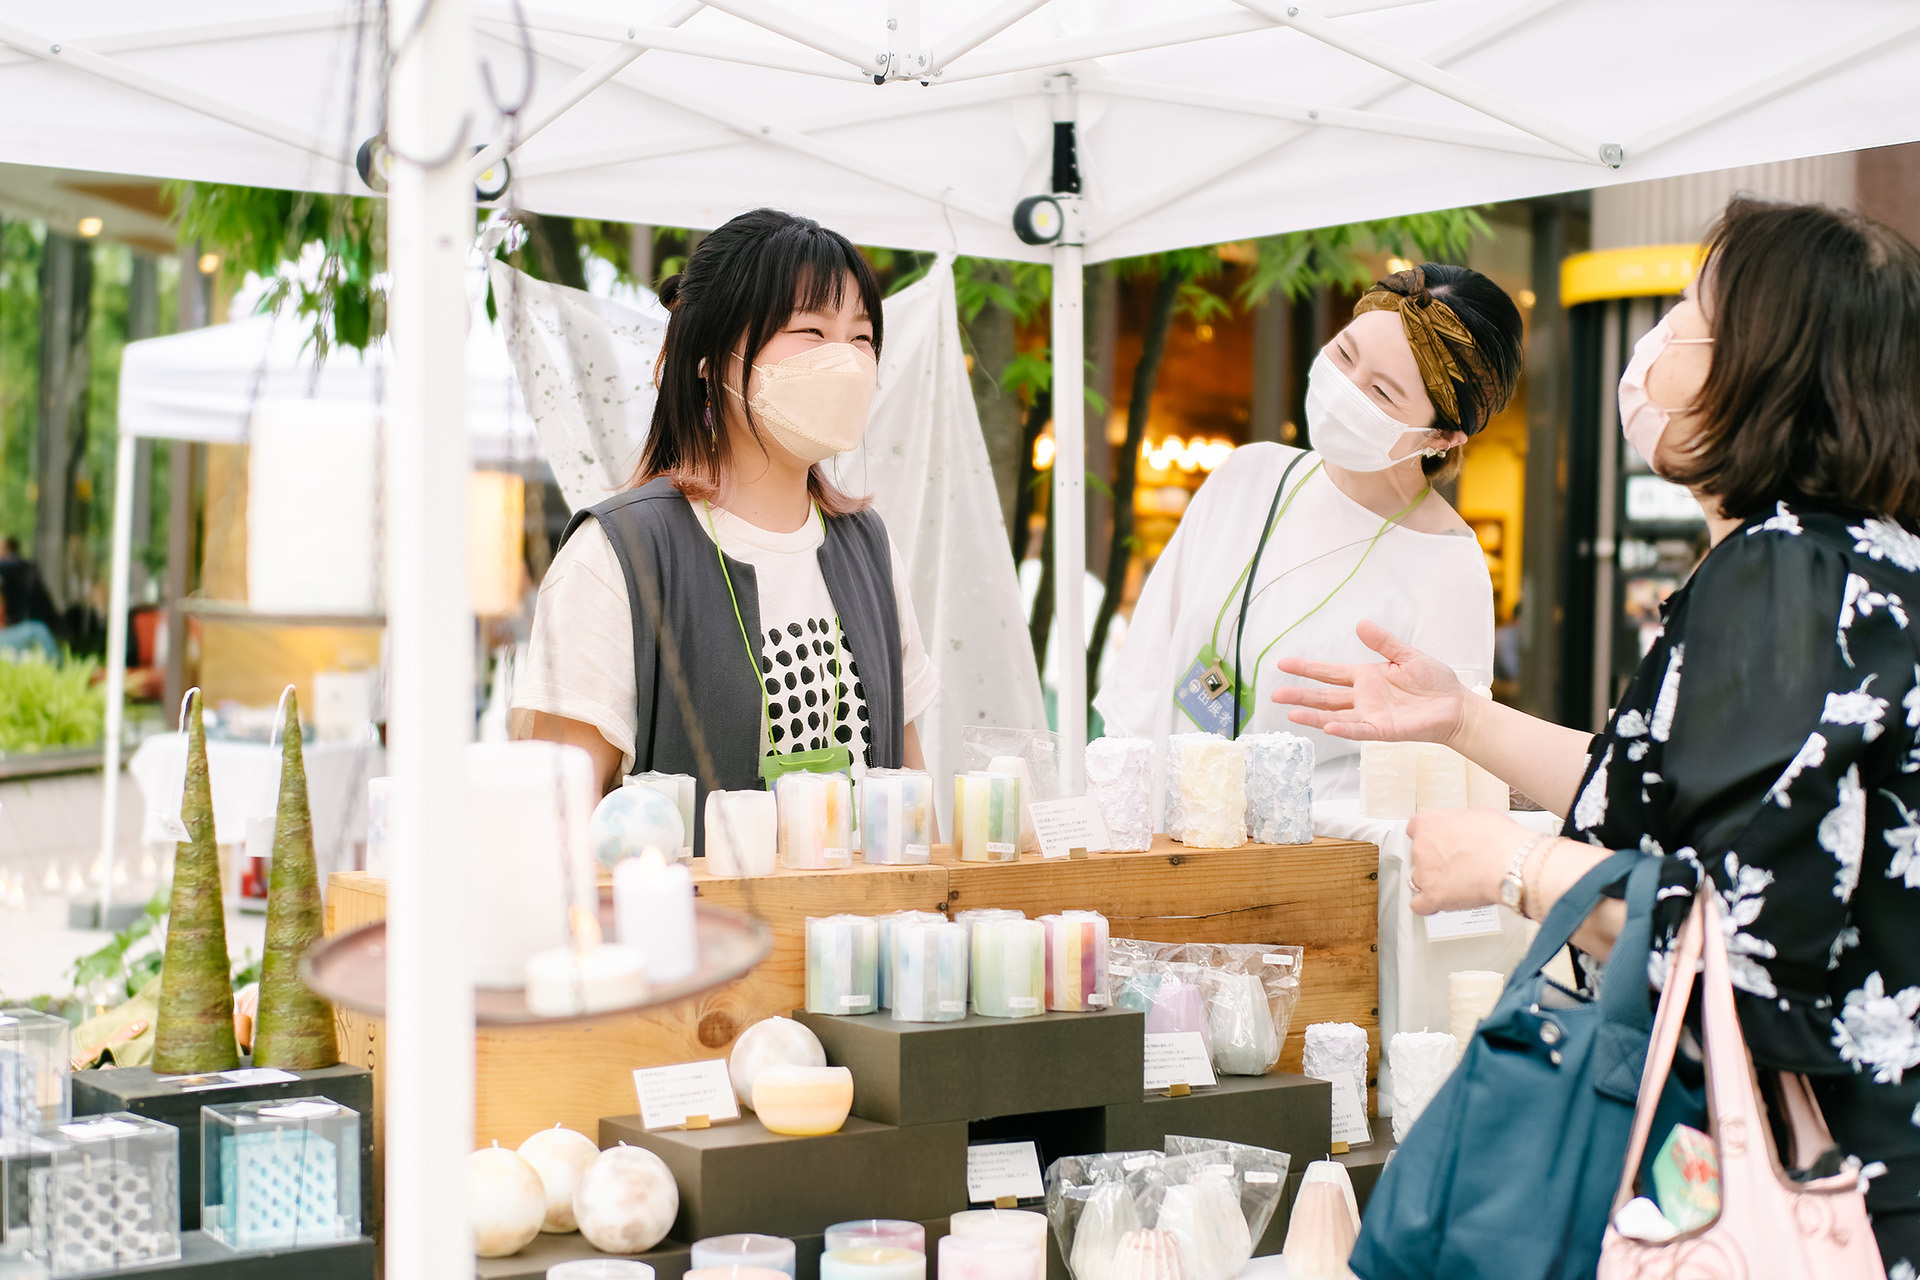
(1513, 885)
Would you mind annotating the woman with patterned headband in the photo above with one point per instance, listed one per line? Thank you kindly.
(1283, 551)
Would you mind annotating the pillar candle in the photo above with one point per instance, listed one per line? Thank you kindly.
(1279, 788)
(1389, 779)
(1076, 961)
(986, 817)
(989, 1258)
(1337, 1052)
(773, 1253)
(1009, 968)
(742, 833)
(600, 1269)
(733, 1273)
(929, 971)
(896, 816)
(677, 787)
(1204, 1214)
(1016, 1224)
(889, 956)
(528, 859)
(979, 915)
(802, 1101)
(563, 982)
(816, 820)
(1120, 780)
(843, 964)
(1439, 777)
(1420, 1062)
(653, 911)
(1016, 767)
(1209, 773)
(1471, 995)
(873, 1262)
(882, 1233)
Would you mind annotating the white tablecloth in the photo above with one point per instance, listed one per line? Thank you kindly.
(245, 777)
(1414, 967)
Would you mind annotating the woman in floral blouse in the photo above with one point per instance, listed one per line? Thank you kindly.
(1770, 740)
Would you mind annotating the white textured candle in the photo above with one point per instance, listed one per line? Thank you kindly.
(527, 854)
(1389, 779)
(681, 790)
(1421, 1061)
(564, 982)
(816, 820)
(1120, 780)
(1208, 773)
(742, 833)
(1471, 995)
(1279, 788)
(1439, 777)
(1337, 1052)
(653, 911)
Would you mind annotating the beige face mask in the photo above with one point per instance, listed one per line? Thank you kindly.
(815, 403)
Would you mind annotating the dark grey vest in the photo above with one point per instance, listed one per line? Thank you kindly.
(681, 614)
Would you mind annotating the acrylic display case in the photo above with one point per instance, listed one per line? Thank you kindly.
(35, 1075)
(280, 1174)
(106, 1196)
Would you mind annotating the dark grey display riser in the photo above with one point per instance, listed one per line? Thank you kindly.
(204, 1258)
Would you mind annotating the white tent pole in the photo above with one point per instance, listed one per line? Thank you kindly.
(430, 721)
(785, 22)
(980, 30)
(117, 591)
(1069, 514)
(1428, 76)
(172, 37)
(668, 40)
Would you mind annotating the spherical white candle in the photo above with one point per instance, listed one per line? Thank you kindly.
(564, 981)
(768, 1042)
(653, 910)
(626, 1201)
(506, 1201)
(559, 1156)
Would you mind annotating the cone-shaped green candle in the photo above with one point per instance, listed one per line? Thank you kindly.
(294, 1028)
(194, 1030)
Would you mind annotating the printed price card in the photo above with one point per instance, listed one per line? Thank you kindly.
(1475, 922)
(1066, 825)
(999, 1169)
(669, 1096)
(1177, 1057)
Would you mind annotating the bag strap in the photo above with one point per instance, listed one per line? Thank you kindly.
(1577, 903)
(1623, 985)
(1667, 1024)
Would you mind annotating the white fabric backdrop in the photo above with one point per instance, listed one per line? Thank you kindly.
(586, 366)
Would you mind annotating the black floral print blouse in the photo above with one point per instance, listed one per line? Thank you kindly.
(1768, 741)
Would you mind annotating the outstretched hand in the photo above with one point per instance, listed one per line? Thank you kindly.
(1411, 697)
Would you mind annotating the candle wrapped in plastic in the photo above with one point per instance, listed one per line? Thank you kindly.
(1093, 1201)
(1222, 1175)
(896, 816)
(816, 820)
(1279, 788)
(1077, 961)
(889, 953)
(1120, 780)
(1247, 993)
(1148, 1255)
(843, 964)
(930, 963)
(1009, 968)
(976, 915)
(1015, 767)
(986, 817)
(1206, 790)
(682, 791)
(742, 833)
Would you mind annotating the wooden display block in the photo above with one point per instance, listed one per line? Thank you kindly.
(979, 1068)
(1322, 896)
(176, 1100)
(739, 1177)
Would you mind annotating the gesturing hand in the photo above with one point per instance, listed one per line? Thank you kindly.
(1410, 697)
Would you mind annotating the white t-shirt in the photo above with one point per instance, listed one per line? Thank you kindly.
(1430, 589)
(579, 663)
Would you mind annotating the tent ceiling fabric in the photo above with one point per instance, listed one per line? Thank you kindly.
(1199, 120)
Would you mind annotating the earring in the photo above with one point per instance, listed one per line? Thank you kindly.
(1433, 453)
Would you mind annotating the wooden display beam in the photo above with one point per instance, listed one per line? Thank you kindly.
(1323, 897)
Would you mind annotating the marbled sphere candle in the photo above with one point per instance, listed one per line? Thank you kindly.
(816, 820)
(986, 817)
(896, 816)
(768, 1042)
(677, 787)
(883, 1233)
(873, 1262)
(742, 833)
(929, 971)
(843, 964)
(1076, 961)
(1016, 1224)
(773, 1253)
(990, 1258)
(1009, 968)
(889, 954)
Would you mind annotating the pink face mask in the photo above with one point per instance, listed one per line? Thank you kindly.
(1641, 420)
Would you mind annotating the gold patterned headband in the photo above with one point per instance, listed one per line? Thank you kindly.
(1442, 347)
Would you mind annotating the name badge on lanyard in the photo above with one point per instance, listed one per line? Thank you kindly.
(1203, 693)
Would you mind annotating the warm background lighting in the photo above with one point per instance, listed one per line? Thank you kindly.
(209, 263)
(91, 227)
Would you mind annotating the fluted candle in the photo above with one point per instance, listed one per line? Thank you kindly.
(1076, 961)
(1009, 968)
(896, 816)
(929, 971)
(889, 953)
(843, 964)
(742, 833)
(986, 817)
(816, 820)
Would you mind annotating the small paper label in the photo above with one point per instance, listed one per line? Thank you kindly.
(172, 827)
(1284, 961)
(855, 1002)
(837, 857)
(953, 1006)
(1096, 1001)
(1120, 970)
(306, 1110)
(1475, 922)
(1177, 1057)
(93, 1130)
(996, 1169)
(918, 852)
(1262, 1177)
(1023, 1002)
(668, 1095)
(258, 1075)
(1000, 847)
(1349, 1112)
(1066, 825)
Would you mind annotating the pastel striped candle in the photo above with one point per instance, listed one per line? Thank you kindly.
(1009, 968)
(889, 955)
(930, 971)
(1076, 961)
(873, 1262)
(986, 817)
(896, 816)
(843, 964)
(816, 820)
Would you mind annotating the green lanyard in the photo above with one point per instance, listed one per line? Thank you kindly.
(828, 759)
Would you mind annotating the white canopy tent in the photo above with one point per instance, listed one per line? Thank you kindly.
(1192, 121)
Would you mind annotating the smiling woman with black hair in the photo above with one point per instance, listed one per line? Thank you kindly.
(734, 603)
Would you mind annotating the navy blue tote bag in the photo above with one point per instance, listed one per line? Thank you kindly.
(1511, 1170)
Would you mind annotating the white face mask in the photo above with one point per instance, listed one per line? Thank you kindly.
(815, 403)
(1346, 427)
(1641, 420)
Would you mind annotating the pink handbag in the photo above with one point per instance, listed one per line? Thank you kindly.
(1768, 1228)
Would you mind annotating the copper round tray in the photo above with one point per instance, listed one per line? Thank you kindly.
(351, 970)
